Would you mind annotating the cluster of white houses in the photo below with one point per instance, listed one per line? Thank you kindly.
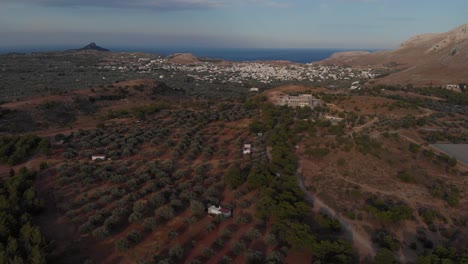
(300, 100)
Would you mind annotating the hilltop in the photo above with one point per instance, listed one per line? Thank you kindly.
(423, 60)
(92, 46)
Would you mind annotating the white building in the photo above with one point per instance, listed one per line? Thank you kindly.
(453, 87)
(218, 210)
(299, 100)
(247, 149)
(98, 157)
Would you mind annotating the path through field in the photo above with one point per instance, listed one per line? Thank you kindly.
(360, 242)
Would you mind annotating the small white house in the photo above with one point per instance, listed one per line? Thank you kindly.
(247, 149)
(254, 90)
(98, 157)
(218, 210)
(453, 87)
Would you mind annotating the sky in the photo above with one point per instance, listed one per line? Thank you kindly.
(358, 24)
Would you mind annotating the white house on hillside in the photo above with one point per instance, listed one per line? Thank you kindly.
(98, 157)
(218, 210)
(247, 149)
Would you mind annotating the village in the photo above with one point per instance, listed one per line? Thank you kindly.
(238, 72)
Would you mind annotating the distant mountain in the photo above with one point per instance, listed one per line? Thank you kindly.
(428, 59)
(92, 46)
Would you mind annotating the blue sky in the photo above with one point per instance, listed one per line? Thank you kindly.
(365, 24)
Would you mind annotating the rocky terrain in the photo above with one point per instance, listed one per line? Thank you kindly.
(423, 60)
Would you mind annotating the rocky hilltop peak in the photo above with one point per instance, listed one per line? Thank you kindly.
(93, 46)
(451, 38)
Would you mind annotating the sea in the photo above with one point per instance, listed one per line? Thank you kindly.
(250, 54)
(229, 54)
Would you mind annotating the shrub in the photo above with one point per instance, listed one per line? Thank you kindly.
(275, 258)
(150, 223)
(253, 234)
(414, 148)
(176, 252)
(134, 237)
(254, 256)
(208, 252)
(238, 247)
(385, 256)
(101, 232)
(122, 245)
(329, 223)
(428, 215)
(140, 207)
(225, 260)
(271, 240)
(389, 210)
(166, 212)
(209, 227)
(406, 177)
(135, 217)
(172, 234)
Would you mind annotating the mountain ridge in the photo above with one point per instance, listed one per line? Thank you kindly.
(423, 60)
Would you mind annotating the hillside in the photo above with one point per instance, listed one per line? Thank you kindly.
(423, 60)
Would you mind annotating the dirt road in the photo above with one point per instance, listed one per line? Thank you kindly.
(360, 242)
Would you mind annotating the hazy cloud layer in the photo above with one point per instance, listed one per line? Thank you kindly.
(156, 4)
(153, 4)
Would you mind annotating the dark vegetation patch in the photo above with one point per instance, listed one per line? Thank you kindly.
(21, 241)
(16, 121)
(17, 149)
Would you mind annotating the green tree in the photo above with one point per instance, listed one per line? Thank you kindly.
(385, 256)
(233, 177)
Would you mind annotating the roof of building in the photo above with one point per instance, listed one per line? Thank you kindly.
(225, 211)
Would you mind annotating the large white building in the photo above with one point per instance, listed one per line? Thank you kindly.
(299, 100)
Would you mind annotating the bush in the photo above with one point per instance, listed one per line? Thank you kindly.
(197, 208)
(238, 247)
(122, 245)
(389, 210)
(271, 240)
(385, 256)
(253, 234)
(134, 237)
(101, 232)
(254, 256)
(406, 177)
(208, 252)
(176, 252)
(334, 252)
(329, 223)
(233, 177)
(414, 148)
(428, 215)
(166, 212)
(150, 223)
(225, 260)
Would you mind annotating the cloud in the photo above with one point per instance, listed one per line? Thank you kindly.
(163, 5)
(280, 4)
(153, 4)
